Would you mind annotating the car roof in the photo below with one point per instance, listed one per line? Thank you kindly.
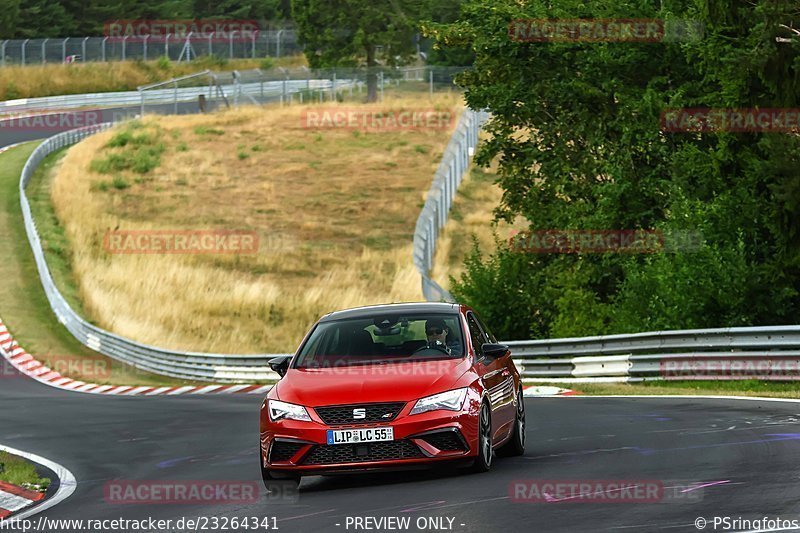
(372, 310)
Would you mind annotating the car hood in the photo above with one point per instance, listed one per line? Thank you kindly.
(370, 383)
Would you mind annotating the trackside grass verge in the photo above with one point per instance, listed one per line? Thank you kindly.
(333, 207)
(471, 220)
(94, 77)
(17, 471)
(23, 305)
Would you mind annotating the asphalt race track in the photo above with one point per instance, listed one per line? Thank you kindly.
(746, 450)
(711, 457)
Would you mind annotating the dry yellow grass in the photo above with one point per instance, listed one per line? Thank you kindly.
(471, 217)
(335, 211)
(76, 78)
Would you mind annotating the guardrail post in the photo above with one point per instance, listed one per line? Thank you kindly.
(176, 97)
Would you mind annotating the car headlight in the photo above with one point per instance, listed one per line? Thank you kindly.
(451, 400)
(279, 410)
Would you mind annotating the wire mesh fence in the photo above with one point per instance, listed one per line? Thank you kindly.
(208, 91)
(271, 43)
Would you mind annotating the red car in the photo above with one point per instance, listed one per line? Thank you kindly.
(392, 386)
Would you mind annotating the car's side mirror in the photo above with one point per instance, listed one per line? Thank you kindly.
(280, 364)
(494, 351)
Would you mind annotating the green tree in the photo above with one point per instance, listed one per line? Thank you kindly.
(357, 33)
(576, 133)
(9, 16)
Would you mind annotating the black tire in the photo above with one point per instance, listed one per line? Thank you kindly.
(483, 462)
(516, 445)
(275, 482)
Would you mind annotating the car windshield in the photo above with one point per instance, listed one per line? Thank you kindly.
(382, 339)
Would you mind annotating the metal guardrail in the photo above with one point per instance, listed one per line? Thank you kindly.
(768, 352)
(157, 96)
(433, 217)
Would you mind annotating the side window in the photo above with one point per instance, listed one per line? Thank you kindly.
(489, 336)
(476, 334)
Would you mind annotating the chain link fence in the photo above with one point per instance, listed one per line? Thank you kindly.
(207, 91)
(272, 43)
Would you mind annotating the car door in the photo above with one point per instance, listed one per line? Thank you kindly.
(496, 378)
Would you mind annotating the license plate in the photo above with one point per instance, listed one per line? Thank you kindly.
(353, 436)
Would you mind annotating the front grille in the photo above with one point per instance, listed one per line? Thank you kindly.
(444, 441)
(358, 453)
(282, 450)
(337, 415)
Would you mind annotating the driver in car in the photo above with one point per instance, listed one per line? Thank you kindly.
(436, 331)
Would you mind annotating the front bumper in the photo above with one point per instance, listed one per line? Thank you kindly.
(419, 441)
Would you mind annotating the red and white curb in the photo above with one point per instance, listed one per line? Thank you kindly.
(540, 390)
(13, 499)
(27, 364)
(21, 503)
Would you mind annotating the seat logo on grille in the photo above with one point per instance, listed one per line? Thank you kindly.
(359, 413)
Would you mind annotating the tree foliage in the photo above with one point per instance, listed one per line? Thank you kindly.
(72, 18)
(576, 130)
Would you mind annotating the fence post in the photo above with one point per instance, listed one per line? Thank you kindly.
(83, 50)
(144, 47)
(4, 51)
(253, 43)
(23, 50)
(124, 46)
(166, 46)
(64, 50)
(103, 49)
(278, 43)
(210, 45)
(230, 46)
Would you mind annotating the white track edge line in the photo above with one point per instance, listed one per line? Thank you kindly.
(66, 484)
